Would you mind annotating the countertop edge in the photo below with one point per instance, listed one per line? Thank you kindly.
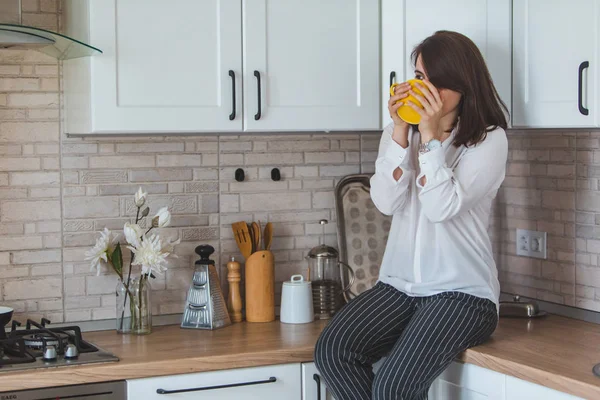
(531, 374)
(113, 371)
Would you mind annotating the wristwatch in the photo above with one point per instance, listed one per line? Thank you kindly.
(429, 146)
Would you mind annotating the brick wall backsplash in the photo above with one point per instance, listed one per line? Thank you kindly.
(57, 193)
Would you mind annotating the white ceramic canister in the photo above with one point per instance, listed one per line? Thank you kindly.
(296, 301)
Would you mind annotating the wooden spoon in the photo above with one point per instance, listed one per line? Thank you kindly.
(256, 235)
(268, 235)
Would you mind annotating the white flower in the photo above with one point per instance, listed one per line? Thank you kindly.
(133, 233)
(169, 247)
(98, 255)
(149, 256)
(162, 218)
(140, 197)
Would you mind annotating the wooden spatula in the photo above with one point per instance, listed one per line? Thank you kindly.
(242, 238)
(268, 235)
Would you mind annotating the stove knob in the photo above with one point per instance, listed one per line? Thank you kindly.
(49, 353)
(71, 352)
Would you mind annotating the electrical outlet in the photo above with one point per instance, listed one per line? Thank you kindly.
(531, 243)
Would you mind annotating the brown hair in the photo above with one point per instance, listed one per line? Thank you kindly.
(452, 61)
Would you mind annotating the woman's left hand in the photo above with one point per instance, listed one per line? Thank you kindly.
(431, 113)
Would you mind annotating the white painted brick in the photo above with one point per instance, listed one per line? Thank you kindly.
(33, 289)
(155, 188)
(106, 148)
(323, 200)
(318, 184)
(259, 146)
(87, 207)
(49, 114)
(28, 149)
(295, 185)
(75, 286)
(80, 148)
(13, 193)
(231, 159)
(9, 69)
(10, 149)
(30, 210)
(19, 84)
(178, 278)
(324, 157)
(274, 158)
(78, 315)
(99, 314)
(299, 216)
(283, 201)
(230, 203)
(339, 170)
(102, 284)
(44, 21)
(36, 256)
(176, 187)
(52, 241)
(210, 160)
(206, 174)
(34, 178)
(207, 146)
(72, 191)
(19, 164)
(49, 163)
(306, 171)
(79, 302)
(158, 147)
(75, 162)
(48, 226)
(121, 161)
(179, 160)
(299, 145)
(49, 84)
(11, 271)
(29, 132)
(352, 157)
(236, 146)
(46, 148)
(29, 228)
(259, 186)
(50, 305)
(11, 229)
(47, 270)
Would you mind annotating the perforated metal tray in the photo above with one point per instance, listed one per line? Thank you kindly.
(362, 231)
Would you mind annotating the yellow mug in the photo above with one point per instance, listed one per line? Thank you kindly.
(406, 113)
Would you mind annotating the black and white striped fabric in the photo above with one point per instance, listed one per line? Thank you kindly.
(419, 335)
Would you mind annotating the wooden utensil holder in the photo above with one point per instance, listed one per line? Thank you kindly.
(260, 287)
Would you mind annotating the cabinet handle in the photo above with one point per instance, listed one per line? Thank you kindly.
(232, 75)
(392, 77)
(317, 379)
(582, 109)
(231, 385)
(257, 75)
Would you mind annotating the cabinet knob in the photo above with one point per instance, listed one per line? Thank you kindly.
(240, 175)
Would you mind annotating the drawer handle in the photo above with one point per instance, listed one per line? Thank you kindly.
(392, 77)
(231, 385)
(259, 113)
(232, 75)
(317, 379)
(582, 109)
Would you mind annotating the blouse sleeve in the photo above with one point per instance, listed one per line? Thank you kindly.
(389, 195)
(481, 170)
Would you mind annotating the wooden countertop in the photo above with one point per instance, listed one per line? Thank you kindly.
(553, 351)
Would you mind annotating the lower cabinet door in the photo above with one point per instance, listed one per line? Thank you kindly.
(275, 382)
(313, 387)
(468, 382)
(517, 389)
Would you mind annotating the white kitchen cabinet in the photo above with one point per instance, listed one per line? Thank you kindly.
(313, 387)
(405, 23)
(468, 382)
(164, 68)
(517, 389)
(260, 383)
(176, 66)
(555, 63)
(311, 65)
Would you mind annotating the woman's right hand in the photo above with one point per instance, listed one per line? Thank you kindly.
(400, 92)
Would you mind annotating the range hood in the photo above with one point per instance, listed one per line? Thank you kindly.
(54, 44)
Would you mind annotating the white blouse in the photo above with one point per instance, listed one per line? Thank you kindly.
(439, 238)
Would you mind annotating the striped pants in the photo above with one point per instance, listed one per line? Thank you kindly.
(419, 335)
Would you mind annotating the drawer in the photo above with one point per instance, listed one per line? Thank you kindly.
(242, 383)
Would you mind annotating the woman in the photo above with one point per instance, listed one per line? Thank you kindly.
(438, 290)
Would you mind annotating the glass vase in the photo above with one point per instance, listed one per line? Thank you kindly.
(134, 307)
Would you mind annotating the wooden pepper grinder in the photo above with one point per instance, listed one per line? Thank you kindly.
(234, 298)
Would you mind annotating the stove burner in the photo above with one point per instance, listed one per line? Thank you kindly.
(37, 341)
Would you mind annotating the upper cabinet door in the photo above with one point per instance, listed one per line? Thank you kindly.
(555, 63)
(485, 22)
(167, 65)
(311, 65)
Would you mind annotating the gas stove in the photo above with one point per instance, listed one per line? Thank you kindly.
(40, 346)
